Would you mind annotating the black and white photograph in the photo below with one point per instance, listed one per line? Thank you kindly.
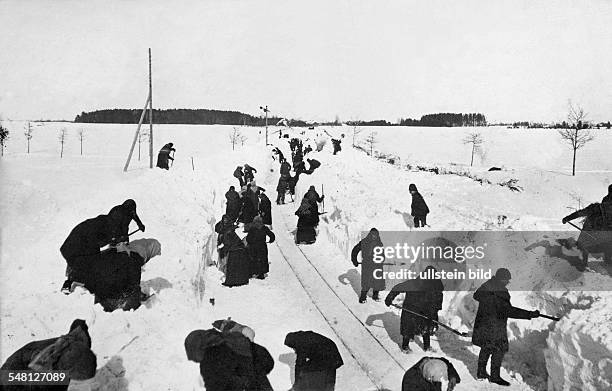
(235, 195)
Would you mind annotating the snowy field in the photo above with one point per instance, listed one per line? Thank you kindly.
(311, 287)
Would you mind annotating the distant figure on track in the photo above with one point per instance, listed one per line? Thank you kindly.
(316, 362)
(232, 208)
(248, 173)
(368, 267)
(265, 208)
(419, 207)
(431, 374)
(238, 174)
(164, 156)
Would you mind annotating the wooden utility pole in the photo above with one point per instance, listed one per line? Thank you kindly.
(265, 109)
(150, 114)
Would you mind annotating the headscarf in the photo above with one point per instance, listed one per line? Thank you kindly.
(146, 248)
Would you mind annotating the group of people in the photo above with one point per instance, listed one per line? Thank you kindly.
(287, 182)
(252, 201)
(230, 360)
(423, 299)
(241, 259)
(113, 274)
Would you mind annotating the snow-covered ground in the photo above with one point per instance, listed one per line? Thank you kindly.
(309, 288)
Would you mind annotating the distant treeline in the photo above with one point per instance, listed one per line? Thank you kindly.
(179, 116)
(220, 117)
(438, 120)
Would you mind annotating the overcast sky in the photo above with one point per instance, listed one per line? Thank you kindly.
(511, 60)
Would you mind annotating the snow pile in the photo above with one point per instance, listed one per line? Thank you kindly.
(579, 353)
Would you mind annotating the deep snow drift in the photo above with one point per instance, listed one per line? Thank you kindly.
(44, 196)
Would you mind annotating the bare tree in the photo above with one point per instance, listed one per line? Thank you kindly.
(236, 137)
(243, 138)
(4, 135)
(578, 134)
(28, 134)
(371, 140)
(81, 136)
(62, 140)
(476, 140)
(356, 132)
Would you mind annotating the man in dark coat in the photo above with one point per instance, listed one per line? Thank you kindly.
(428, 375)
(124, 214)
(229, 361)
(285, 168)
(422, 296)
(249, 209)
(316, 363)
(232, 208)
(369, 268)
(238, 174)
(237, 259)
(281, 189)
(164, 156)
(258, 248)
(248, 173)
(84, 243)
(419, 207)
(490, 326)
(70, 352)
(265, 208)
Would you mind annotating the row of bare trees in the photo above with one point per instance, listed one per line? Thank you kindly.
(577, 135)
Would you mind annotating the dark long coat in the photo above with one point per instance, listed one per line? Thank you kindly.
(88, 237)
(164, 155)
(418, 206)
(368, 266)
(249, 210)
(124, 216)
(414, 380)
(238, 261)
(232, 209)
(265, 209)
(494, 309)
(258, 248)
(114, 279)
(423, 296)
